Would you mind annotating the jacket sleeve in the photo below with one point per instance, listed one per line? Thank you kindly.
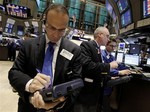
(92, 66)
(18, 74)
(114, 72)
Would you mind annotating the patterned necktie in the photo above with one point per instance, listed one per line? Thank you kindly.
(47, 66)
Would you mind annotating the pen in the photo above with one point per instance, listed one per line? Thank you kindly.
(38, 71)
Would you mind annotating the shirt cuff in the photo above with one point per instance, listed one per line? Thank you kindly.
(27, 85)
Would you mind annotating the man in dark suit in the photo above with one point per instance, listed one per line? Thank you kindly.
(26, 74)
(93, 72)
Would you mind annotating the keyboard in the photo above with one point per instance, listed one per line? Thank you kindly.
(136, 71)
(119, 80)
(146, 74)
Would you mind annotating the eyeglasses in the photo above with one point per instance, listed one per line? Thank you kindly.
(106, 35)
(53, 29)
(113, 46)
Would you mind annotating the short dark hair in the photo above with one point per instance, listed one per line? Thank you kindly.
(111, 40)
(57, 7)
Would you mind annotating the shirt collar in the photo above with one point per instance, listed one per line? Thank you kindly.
(108, 53)
(97, 44)
(57, 43)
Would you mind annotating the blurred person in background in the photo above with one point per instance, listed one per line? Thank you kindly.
(11, 49)
(94, 71)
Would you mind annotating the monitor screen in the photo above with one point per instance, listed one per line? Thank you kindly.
(8, 25)
(36, 30)
(20, 30)
(148, 50)
(134, 49)
(122, 5)
(120, 57)
(148, 61)
(126, 18)
(8, 30)
(18, 11)
(146, 8)
(121, 47)
(131, 59)
(109, 7)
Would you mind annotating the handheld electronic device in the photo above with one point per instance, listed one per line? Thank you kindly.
(50, 94)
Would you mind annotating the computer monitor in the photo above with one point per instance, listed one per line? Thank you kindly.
(119, 57)
(9, 25)
(126, 18)
(121, 47)
(148, 61)
(109, 7)
(20, 30)
(148, 50)
(122, 5)
(134, 49)
(131, 59)
(146, 11)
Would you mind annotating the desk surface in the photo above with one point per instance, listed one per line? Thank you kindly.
(133, 93)
(125, 79)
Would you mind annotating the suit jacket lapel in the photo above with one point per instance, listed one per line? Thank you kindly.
(40, 52)
(60, 62)
(96, 50)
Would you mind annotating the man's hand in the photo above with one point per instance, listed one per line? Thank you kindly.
(124, 72)
(39, 82)
(116, 77)
(37, 101)
(113, 64)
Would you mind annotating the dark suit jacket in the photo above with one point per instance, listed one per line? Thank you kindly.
(31, 56)
(92, 73)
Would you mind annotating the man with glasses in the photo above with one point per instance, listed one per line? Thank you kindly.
(94, 70)
(114, 73)
(108, 57)
(44, 62)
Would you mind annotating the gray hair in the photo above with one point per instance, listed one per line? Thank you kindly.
(99, 30)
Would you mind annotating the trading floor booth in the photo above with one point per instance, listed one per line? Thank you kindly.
(135, 96)
(133, 93)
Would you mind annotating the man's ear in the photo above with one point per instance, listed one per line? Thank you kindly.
(99, 35)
